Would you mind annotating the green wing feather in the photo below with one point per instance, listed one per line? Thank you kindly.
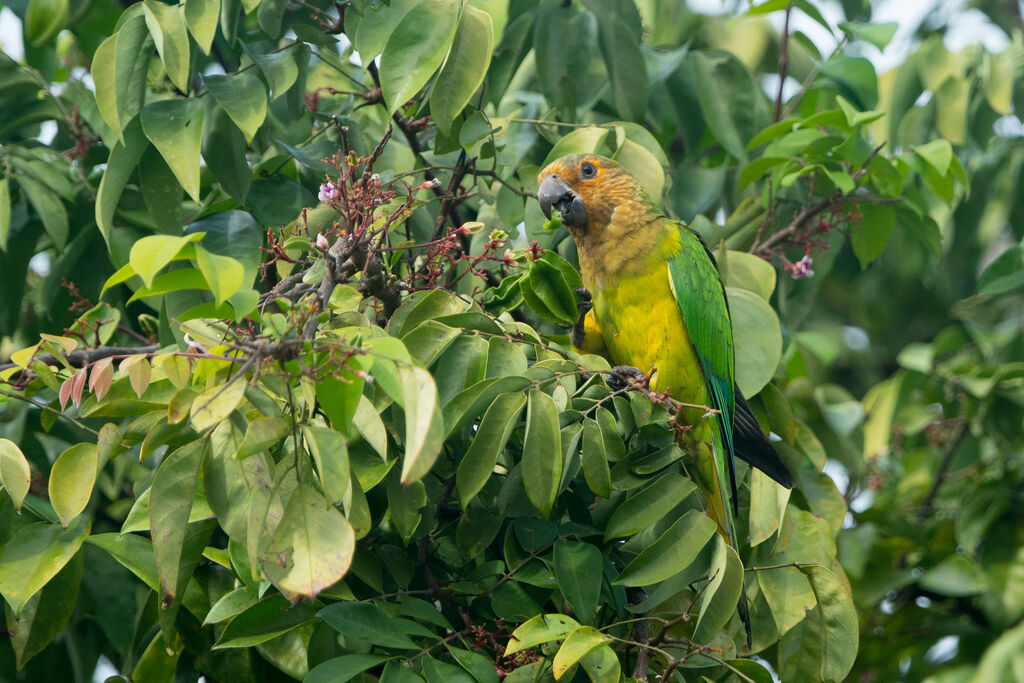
(700, 295)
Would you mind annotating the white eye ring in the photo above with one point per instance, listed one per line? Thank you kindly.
(588, 170)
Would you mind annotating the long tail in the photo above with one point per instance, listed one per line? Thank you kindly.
(714, 471)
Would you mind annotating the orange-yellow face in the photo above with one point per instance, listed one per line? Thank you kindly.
(586, 189)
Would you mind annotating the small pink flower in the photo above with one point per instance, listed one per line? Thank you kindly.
(363, 375)
(328, 192)
(802, 268)
(428, 184)
(321, 241)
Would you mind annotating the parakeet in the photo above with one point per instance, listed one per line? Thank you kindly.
(658, 300)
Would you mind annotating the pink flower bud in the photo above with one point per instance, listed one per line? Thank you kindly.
(328, 192)
(321, 242)
(802, 269)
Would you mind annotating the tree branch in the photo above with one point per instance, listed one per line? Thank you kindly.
(79, 359)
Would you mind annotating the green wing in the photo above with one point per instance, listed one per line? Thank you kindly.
(700, 294)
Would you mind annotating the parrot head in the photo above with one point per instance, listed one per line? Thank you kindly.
(587, 190)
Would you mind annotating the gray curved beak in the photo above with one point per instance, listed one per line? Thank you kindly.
(553, 192)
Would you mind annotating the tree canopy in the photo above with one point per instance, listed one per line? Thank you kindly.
(286, 388)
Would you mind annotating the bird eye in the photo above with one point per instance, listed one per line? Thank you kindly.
(588, 170)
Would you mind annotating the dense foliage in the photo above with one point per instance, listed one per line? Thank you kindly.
(290, 394)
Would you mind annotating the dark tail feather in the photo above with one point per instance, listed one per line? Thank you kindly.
(750, 444)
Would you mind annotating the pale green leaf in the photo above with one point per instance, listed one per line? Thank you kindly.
(71, 481)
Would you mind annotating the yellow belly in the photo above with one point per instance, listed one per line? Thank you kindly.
(642, 326)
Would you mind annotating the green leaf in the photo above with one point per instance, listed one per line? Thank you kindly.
(1006, 272)
(673, 552)
(262, 433)
(839, 627)
(269, 618)
(576, 645)
(270, 14)
(216, 403)
(749, 272)
(564, 37)
(404, 506)
(224, 152)
(595, 460)
(202, 17)
(416, 49)
(44, 19)
(465, 68)
(957, 575)
(330, 453)
(542, 452)
(549, 294)
(175, 127)
(758, 339)
(377, 23)
(173, 491)
(575, 564)
(34, 555)
(15, 473)
(493, 433)
(602, 665)
(119, 68)
(167, 26)
(623, 59)
(311, 548)
(150, 254)
(767, 506)
(872, 234)
(730, 100)
(344, 668)
(540, 629)
(644, 508)
(788, 594)
(50, 209)
(468, 404)
(424, 425)
(135, 553)
(853, 78)
(481, 668)
(223, 274)
(230, 605)
(878, 35)
(243, 96)
(5, 212)
(722, 592)
(367, 622)
(71, 481)
(121, 163)
(47, 613)
(340, 397)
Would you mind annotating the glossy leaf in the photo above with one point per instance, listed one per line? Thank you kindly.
(465, 67)
(15, 473)
(175, 127)
(673, 552)
(311, 548)
(71, 481)
(542, 452)
(34, 555)
(493, 433)
(416, 49)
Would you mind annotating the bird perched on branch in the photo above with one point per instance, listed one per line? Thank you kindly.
(658, 301)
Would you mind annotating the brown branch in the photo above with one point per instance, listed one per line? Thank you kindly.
(783, 63)
(940, 475)
(79, 359)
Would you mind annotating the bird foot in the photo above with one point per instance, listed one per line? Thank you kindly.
(585, 305)
(623, 374)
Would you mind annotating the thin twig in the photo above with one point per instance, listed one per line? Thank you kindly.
(940, 474)
(783, 63)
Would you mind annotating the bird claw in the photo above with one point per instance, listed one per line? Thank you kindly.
(585, 304)
(622, 374)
